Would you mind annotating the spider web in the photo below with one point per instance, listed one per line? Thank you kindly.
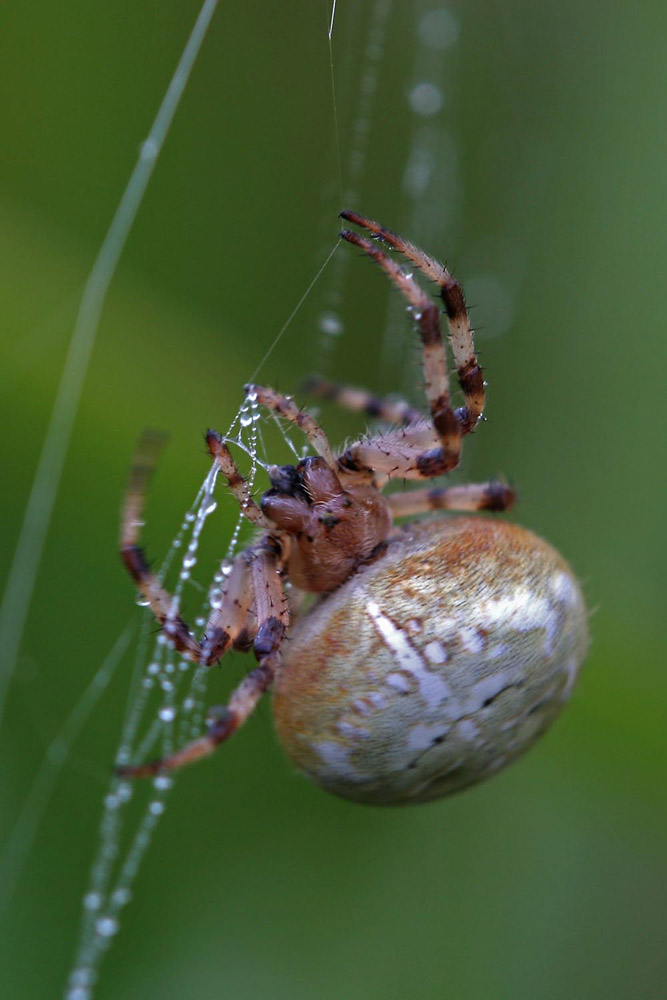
(167, 699)
(166, 708)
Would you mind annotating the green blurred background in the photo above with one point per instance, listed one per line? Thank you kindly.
(547, 197)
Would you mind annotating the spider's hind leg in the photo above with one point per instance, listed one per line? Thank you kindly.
(494, 496)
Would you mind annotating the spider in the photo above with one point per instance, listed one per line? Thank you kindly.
(436, 652)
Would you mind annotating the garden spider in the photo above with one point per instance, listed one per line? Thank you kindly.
(437, 652)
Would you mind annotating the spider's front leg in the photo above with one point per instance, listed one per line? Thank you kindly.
(272, 619)
(224, 624)
(445, 456)
(284, 406)
(471, 378)
(149, 585)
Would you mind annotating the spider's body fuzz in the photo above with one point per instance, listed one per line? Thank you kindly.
(434, 666)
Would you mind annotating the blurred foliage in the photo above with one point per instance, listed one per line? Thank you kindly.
(549, 881)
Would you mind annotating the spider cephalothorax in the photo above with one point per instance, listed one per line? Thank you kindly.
(438, 651)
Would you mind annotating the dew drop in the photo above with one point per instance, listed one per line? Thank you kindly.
(162, 782)
(331, 324)
(92, 901)
(124, 791)
(106, 926)
(439, 29)
(426, 99)
(121, 897)
(167, 713)
(156, 808)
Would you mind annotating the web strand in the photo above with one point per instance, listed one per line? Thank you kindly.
(19, 844)
(333, 102)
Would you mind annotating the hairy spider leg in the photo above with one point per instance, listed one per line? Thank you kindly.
(160, 601)
(392, 411)
(222, 456)
(272, 620)
(225, 623)
(445, 457)
(471, 378)
(285, 407)
(393, 454)
(494, 496)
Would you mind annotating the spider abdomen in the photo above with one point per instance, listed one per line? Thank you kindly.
(433, 667)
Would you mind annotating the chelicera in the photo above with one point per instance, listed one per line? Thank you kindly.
(436, 652)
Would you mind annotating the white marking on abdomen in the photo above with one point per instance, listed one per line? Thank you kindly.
(432, 688)
(435, 652)
(564, 589)
(524, 611)
(422, 736)
(483, 690)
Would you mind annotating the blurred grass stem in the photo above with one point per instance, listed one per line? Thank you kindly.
(32, 536)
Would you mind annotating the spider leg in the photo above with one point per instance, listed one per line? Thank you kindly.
(395, 454)
(285, 406)
(391, 411)
(272, 621)
(445, 456)
(224, 624)
(160, 601)
(221, 455)
(468, 369)
(471, 496)
(229, 620)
